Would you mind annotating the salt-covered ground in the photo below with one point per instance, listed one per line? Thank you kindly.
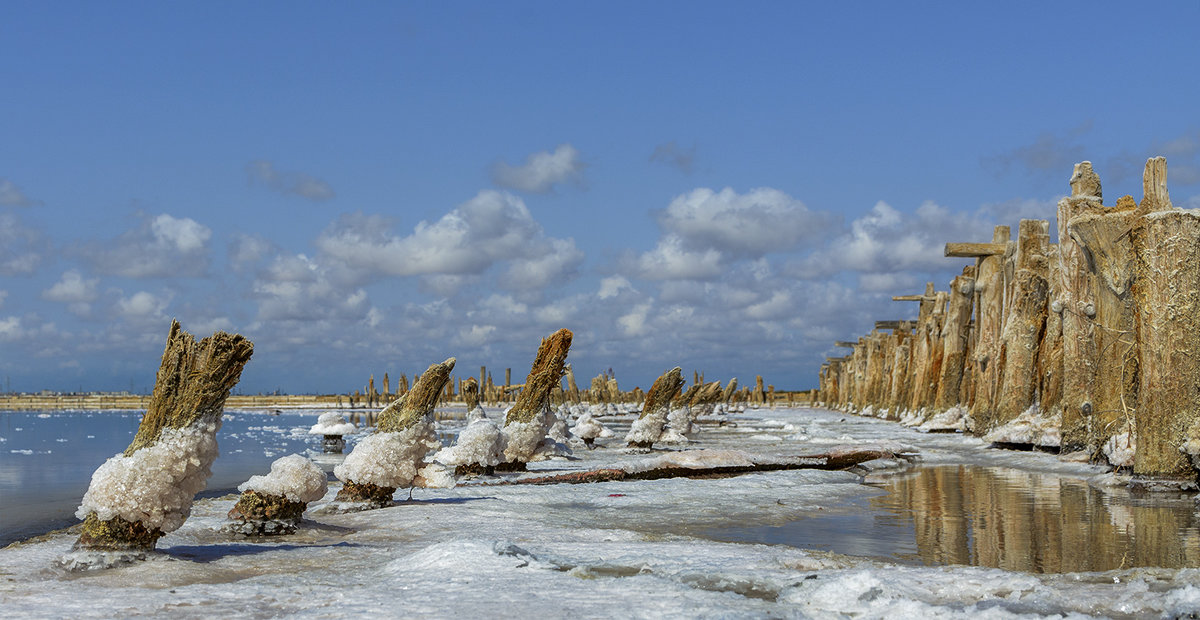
(617, 549)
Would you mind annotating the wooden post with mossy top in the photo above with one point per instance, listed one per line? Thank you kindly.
(403, 414)
(138, 496)
(653, 419)
(534, 400)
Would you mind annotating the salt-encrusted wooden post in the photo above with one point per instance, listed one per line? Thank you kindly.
(1167, 242)
(954, 340)
(524, 426)
(1076, 305)
(1105, 235)
(989, 317)
(391, 456)
(136, 497)
(649, 426)
(1025, 322)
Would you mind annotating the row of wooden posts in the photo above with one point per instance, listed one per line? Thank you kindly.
(1098, 332)
(604, 389)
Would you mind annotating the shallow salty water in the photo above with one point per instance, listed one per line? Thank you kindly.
(47, 458)
(998, 517)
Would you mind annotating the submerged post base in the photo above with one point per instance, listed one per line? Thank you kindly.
(333, 444)
(261, 514)
(511, 466)
(366, 493)
(474, 469)
(1152, 484)
(116, 534)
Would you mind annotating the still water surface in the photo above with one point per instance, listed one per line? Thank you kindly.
(47, 459)
(1001, 518)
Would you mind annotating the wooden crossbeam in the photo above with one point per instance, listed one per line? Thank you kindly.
(975, 250)
(895, 324)
(914, 298)
(843, 343)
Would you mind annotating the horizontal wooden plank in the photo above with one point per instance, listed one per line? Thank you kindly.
(974, 250)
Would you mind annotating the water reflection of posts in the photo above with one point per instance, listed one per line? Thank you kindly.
(1024, 521)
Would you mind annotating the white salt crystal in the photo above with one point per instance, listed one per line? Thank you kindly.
(294, 477)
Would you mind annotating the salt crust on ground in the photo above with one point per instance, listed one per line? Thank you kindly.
(155, 485)
(332, 423)
(294, 477)
(389, 460)
(618, 549)
(1031, 427)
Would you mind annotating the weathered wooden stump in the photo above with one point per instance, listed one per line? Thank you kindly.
(648, 428)
(136, 497)
(524, 426)
(392, 456)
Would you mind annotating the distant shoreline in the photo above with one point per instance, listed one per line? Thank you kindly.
(111, 400)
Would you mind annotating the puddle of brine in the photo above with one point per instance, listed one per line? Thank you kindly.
(1000, 518)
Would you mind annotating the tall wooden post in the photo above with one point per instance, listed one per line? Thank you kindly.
(1167, 242)
(954, 340)
(1105, 235)
(989, 318)
(1025, 322)
(1077, 307)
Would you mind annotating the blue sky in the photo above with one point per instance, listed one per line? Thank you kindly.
(727, 187)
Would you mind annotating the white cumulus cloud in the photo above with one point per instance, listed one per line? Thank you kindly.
(493, 227)
(161, 246)
(541, 171)
(758, 222)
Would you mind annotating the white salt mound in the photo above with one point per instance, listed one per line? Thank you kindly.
(586, 427)
(481, 442)
(389, 459)
(332, 423)
(680, 420)
(648, 428)
(1028, 428)
(155, 485)
(294, 477)
(1120, 448)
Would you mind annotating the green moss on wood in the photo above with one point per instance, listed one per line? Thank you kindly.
(360, 492)
(116, 534)
(256, 506)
